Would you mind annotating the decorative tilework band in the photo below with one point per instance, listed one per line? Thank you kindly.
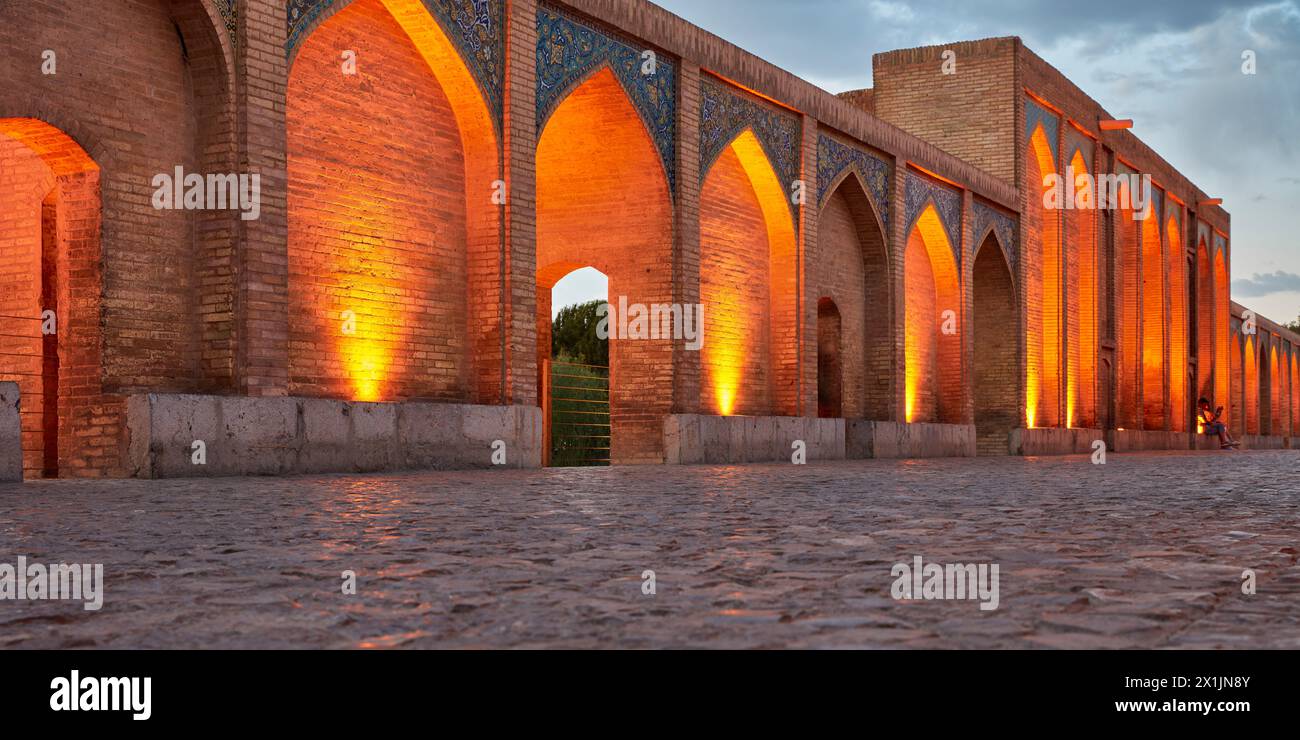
(1036, 114)
(726, 112)
(569, 51)
(835, 158)
(947, 202)
(988, 219)
(475, 27)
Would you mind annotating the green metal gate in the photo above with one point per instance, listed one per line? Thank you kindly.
(575, 406)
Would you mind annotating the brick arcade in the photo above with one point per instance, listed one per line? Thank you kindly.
(878, 272)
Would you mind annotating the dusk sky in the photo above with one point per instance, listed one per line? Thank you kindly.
(1173, 67)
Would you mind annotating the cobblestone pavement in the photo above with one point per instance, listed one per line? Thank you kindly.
(1146, 551)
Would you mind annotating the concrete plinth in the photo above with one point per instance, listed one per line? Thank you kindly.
(11, 434)
(893, 440)
(693, 439)
(1264, 442)
(1054, 441)
(1139, 440)
(281, 436)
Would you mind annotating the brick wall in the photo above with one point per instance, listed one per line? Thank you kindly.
(970, 113)
(377, 227)
(603, 202)
(28, 182)
(734, 286)
(838, 264)
(994, 348)
(137, 109)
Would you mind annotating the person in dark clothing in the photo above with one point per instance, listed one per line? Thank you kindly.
(1210, 425)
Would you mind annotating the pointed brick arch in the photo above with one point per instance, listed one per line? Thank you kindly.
(1154, 325)
(603, 200)
(932, 354)
(1207, 356)
(1045, 327)
(50, 261)
(1178, 336)
(996, 318)
(387, 242)
(747, 284)
(851, 266)
(1252, 372)
(1082, 307)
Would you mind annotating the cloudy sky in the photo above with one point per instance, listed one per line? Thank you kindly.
(1175, 66)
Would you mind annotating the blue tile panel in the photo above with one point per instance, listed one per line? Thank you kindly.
(947, 202)
(229, 15)
(570, 51)
(1035, 114)
(726, 112)
(475, 27)
(835, 158)
(986, 219)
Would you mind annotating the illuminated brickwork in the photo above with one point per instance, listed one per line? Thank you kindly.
(887, 255)
(603, 201)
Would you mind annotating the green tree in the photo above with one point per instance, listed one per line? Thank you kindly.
(1294, 325)
(573, 335)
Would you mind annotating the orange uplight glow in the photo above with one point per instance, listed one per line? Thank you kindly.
(746, 279)
(1081, 372)
(1043, 368)
(1153, 322)
(1178, 316)
(382, 248)
(932, 391)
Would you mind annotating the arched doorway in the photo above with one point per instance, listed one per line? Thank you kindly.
(932, 345)
(1129, 326)
(595, 158)
(1224, 353)
(996, 320)
(388, 241)
(1179, 330)
(747, 277)
(1153, 322)
(1044, 330)
(1081, 373)
(1206, 352)
(49, 229)
(1252, 373)
(1276, 394)
(1236, 401)
(830, 369)
(573, 313)
(851, 268)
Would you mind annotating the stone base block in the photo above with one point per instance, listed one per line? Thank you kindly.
(1054, 441)
(282, 436)
(1264, 442)
(891, 439)
(1138, 440)
(11, 434)
(693, 439)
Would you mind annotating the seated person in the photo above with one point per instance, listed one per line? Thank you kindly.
(1211, 425)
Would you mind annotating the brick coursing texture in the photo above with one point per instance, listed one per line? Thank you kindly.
(139, 109)
(200, 301)
(995, 381)
(970, 114)
(28, 183)
(603, 201)
(377, 217)
(735, 270)
(849, 266)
